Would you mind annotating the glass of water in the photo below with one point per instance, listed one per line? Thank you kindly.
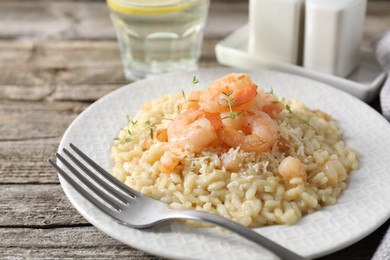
(158, 36)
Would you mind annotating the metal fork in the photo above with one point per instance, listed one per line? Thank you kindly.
(131, 208)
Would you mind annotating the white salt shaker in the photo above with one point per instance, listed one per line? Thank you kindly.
(333, 35)
(276, 29)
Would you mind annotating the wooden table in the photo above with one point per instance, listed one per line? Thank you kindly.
(56, 58)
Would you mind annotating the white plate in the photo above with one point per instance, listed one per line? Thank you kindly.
(364, 82)
(362, 207)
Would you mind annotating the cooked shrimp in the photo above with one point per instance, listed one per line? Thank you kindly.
(255, 104)
(263, 102)
(194, 130)
(335, 172)
(239, 87)
(291, 167)
(168, 162)
(193, 100)
(251, 131)
(162, 135)
(272, 106)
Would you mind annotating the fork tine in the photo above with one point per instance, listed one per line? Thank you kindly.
(106, 174)
(98, 180)
(111, 201)
(80, 189)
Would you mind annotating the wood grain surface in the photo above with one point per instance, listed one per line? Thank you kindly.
(56, 58)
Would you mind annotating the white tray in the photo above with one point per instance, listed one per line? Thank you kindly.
(364, 83)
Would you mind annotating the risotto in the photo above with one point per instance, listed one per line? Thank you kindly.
(235, 150)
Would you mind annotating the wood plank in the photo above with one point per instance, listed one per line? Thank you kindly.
(29, 135)
(67, 20)
(15, 52)
(67, 54)
(25, 161)
(58, 54)
(25, 83)
(60, 243)
(38, 206)
(42, 73)
(33, 120)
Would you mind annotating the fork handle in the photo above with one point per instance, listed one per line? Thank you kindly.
(248, 233)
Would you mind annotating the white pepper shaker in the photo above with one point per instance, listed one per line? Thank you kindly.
(333, 35)
(276, 29)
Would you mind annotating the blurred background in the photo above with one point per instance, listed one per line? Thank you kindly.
(50, 47)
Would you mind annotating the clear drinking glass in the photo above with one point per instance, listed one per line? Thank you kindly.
(158, 36)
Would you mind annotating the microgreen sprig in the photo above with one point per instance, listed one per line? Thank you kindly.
(151, 127)
(305, 121)
(128, 137)
(129, 120)
(130, 133)
(271, 92)
(229, 100)
(289, 110)
(195, 81)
